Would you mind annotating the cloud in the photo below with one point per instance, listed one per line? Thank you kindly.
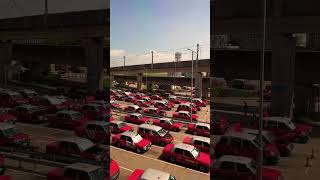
(116, 53)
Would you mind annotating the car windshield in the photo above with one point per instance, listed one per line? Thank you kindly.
(76, 115)
(16, 96)
(11, 132)
(195, 152)
(162, 132)
(122, 124)
(97, 174)
(137, 138)
(139, 116)
(86, 144)
(291, 125)
(253, 166)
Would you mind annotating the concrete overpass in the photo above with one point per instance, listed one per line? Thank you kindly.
(91, 26)
(284, 17)
(170, 67)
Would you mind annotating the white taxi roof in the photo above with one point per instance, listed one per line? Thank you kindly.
(240, 135)
(130, 134)
(153, 174)
(134, 106)
(83, 143)
(235, 159)
(135, 114)
(203, 124)
(150, 126)
(165, 119)
(83, 167)
(160, 101)
(152, 108)
(4, 126)
(183, 146)
(200, 138)
(278, 119)
(185, 112)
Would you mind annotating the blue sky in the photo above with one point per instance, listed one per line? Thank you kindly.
(139, 26)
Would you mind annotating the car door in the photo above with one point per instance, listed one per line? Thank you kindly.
(74, 150)
(243, 172)
(179, 155)
(206, 147)
(198, 144)
(206, 131)
(129, 143)
(228, 170)
(165, 124)
(123, 140)
(236, 144)
(199, 129)
(189, 159)
(222, 147)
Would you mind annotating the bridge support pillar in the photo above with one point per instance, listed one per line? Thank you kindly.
(5, 59)
(94, 60)
(283, 65)
(198, 85)
(139, 81)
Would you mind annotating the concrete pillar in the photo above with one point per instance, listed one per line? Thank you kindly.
(139, 81)
(283, 65)
(5, 59)
(94, 60)
(198, 85)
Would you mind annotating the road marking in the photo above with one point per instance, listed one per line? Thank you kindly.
(126, 168)
(207, 174)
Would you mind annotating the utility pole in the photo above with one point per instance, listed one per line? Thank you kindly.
(45, 12)
(124, 64)
(152, 66)
(191, 81)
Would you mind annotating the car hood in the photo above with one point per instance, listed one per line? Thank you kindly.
(143, 143)
(303, 128)
(144, 119)
(270, 174)
(204, 158)
(114, 168)
(177, 125)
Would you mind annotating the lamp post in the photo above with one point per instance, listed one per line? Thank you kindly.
(191, 82)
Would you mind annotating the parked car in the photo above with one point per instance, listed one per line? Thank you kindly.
(114, 170)
(168, 124)
(11, 98)
(6, 117)
(156, 134)
(136, 118)
(186, 107)
(75, 147)
(129, 99)
(201, 129)
(67, 119)
(284, 129)
(148, 99)
(93, 111)
(115, 105)
(30, 95)
(150, 174)
(285, 147)
(132, 141)
(184, 115)
(242, 144)
(51, 103)
(96, 131)
(156, 97)
(187, 155)
(142, 103)
(220, 126)
(133, 108)
(11, 136)
(29, 113)
(174, 99)
(198, 102)
(77, 170)
(119, 127)
(163, 105)
(241, 168)
(154, 112)
(201, 143)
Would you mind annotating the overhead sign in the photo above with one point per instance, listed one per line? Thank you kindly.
(21, 8)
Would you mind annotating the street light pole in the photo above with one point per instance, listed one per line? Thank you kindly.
(260, 156)
(191, 82)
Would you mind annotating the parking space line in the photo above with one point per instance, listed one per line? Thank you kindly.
(127, 169)
(207, 174)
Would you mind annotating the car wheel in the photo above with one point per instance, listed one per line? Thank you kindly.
(172, 159)
(138, 150)
(195, 133)
(118, 144)
(203, 168)
(175, 129)
(303, 139)
(163, 144)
